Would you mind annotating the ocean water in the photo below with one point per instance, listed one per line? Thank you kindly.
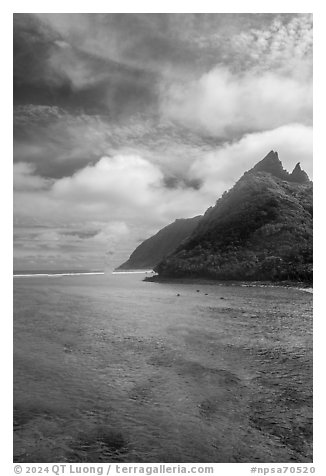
(111, 368)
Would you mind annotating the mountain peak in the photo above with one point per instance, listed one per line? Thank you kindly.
(299, 175)
(272, 156)
(272, 164)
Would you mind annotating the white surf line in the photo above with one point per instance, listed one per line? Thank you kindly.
(48, 275)
(306, 290)
(132, 272)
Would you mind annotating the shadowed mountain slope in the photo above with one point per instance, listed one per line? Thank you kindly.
(149, 253)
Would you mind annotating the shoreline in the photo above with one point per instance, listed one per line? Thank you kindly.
(188, 280)
(55, 275)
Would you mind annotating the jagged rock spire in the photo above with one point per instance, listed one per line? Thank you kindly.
(299, 175)
(272, 164)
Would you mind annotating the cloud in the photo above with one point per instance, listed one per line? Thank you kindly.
(112, 233)
(104, 204)
(219, 170)
(51, 67)
(25, 179)
(261, 42)
(227, 104)
(148, 42)
(286, 45)
(125, 180)
(128, 186)
(261, 79)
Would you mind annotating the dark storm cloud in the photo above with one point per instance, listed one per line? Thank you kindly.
(49, 71)
(32, 45)
(114, 64)
(150, 41)
(59, 143)
(173, 182)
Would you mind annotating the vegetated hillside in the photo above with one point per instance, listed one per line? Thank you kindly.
(149, 253)
(259, 230)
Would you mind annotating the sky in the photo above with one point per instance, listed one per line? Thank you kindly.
(125, 122)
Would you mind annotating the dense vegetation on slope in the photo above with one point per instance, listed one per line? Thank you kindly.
(149, 253)
(260, 230)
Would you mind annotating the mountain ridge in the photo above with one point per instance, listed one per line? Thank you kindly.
(151, 251)
(260, 229)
